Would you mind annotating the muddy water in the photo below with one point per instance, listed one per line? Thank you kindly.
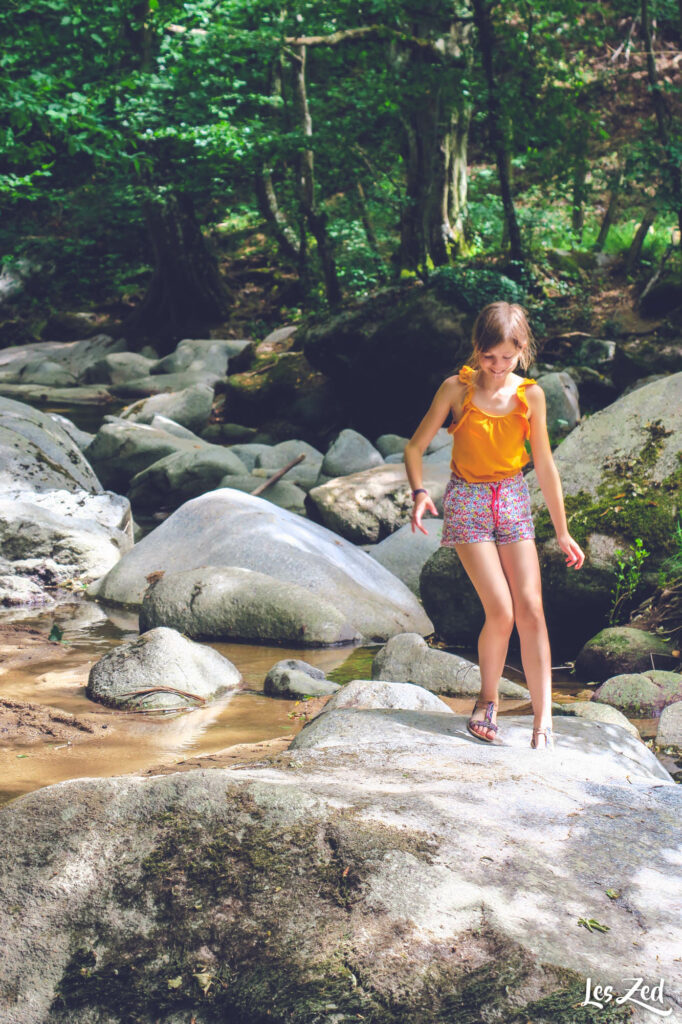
(55, 675)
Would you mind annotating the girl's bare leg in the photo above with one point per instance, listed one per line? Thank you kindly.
(483, 567)
(522, 570)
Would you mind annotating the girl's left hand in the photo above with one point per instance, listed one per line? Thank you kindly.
(575, 555)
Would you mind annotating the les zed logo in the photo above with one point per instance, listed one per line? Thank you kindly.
(602, 994)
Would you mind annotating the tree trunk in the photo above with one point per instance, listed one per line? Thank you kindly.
(662, 115)
(615, 186)
(370, 233)
(486, 42)
(458, 179)
(276, 220)
(635, 250)
(316, 218)
(186, 295)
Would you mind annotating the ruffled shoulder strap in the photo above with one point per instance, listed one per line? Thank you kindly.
(521, 392)
(467, 375)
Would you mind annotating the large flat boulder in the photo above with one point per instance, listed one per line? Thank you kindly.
(188, 405)
(37, 453)
(182, 475)
(404, 872)
(231, 528)
(121, 449)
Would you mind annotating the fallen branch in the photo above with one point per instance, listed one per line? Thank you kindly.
(278, 475)
(164, 689)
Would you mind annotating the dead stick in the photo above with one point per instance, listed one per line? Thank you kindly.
(278, 475)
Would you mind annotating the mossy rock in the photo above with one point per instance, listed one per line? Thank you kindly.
(618, 650)
(641, 694)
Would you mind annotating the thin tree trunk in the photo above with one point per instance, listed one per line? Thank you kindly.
(316, 218)
(486, 42)
(276, 220)
(662, 114)
(458, 178)
(615, 186)
(370, 233)
(635, 251)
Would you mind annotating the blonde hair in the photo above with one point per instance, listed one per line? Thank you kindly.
(499, 322)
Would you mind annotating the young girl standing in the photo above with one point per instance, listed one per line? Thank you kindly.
(486, 506)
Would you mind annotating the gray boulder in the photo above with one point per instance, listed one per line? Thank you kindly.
(441, 439)
(160, 670)
(390, 444)
(188, 406)
(230, 528)
(249, 452)
(159, 422)
(19, 590)
(122, 449)
(117, 368)
(182, 475)
(232, 604)
(563, 407)
(282, 493)
(369, 693)
(407, 658)
(450, 598)
(80, 437)
(76, 535)
(350, 453)
(641, 694)
(620, 649)
(592, 712)
(669, 734)
(36, 452)
(404, 553)
(333, 882)
(368, 506)
(200, 355)
(155, 385)
(287, 680)
(276, 456)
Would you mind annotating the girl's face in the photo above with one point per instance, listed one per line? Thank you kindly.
(500, 360)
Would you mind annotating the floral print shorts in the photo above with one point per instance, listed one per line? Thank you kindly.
(474, 512)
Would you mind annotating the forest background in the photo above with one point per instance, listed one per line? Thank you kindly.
(173, 167)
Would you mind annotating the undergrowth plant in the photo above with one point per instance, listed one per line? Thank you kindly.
(628, 578)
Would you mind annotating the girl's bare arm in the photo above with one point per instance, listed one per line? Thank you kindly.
(447, 397)
(548, 475)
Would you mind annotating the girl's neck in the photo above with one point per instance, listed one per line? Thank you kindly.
(493, 383)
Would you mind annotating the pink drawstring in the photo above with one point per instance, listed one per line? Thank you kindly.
(495, 503)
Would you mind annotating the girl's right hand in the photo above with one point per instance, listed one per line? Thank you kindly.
(422, 504)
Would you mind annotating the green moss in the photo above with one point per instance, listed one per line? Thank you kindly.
(628, 503)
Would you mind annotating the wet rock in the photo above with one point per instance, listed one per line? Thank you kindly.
(182, 475)
(239, 604)
(36, 452)
(18, 590)
(407, 658)
(188, 406)
(617, 650)
(286, 680)
(140, 672)
(368, 506)
(405, 553)
(641, 694)
(230, 528)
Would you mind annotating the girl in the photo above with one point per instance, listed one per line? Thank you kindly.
(486, 506)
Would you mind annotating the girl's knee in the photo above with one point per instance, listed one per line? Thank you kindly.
(530, 613)
(500, 617)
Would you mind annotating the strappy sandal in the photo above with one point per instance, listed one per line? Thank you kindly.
(486, 722)
(549, 738)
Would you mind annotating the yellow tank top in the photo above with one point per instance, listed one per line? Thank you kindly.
(487, 447)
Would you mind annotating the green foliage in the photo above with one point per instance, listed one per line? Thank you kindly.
(628, 579)
(670, 572)
(471, 288)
